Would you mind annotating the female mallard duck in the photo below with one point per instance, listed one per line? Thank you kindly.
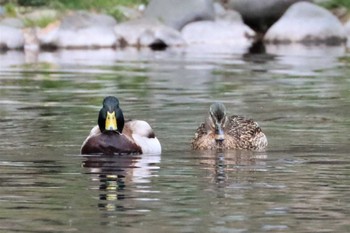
(114, 136)
(220, 131)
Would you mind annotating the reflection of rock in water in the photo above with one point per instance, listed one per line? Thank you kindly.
(114, 177)
(224, 165)
(306, 59)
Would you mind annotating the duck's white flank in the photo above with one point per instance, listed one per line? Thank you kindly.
(141, 131)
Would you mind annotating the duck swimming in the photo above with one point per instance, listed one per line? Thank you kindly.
(113, 135)
(220, 131)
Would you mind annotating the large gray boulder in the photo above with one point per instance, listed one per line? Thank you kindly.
(177, 14)
(147, 32)
(11, 37)
(307, 23)
(347, 30)
(11, 34)
(227, 29)
(260, 14)
(12, 22)
(80, 30)
(84, 19)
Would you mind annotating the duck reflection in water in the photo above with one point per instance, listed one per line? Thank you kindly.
(116, 179)
(226, 167)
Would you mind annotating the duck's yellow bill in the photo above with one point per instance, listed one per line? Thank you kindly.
(111, 122)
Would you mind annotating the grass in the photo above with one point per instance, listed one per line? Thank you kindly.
(103, 6)
(42, 22)
(336, 3)
(10, 10)
(81, 4)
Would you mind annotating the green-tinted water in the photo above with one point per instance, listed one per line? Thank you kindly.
(49, 102)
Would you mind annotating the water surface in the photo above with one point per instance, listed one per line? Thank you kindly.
(299, 96)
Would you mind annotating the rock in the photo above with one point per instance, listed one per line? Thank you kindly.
(229, 15)
(347, 30)
(12, 22)
(306, 23)
(128, 12)
(31, 41)
(177, 14)
(227, 29)
(219, 9)
(147, 32)
(80, 30)
(258, 14)
(38, 14)
(91, 37)
(84, 19)
(11, 37)
(48, 36)
(161, 38)
(2, 11)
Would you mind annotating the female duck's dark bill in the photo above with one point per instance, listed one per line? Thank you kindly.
(219, 133)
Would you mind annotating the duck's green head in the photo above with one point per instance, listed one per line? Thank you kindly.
(217, 117)
(111, 116)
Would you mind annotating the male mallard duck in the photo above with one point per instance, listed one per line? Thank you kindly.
(220, 131)
(114, 136)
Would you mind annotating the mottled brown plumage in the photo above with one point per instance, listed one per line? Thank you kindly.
(220, 131)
